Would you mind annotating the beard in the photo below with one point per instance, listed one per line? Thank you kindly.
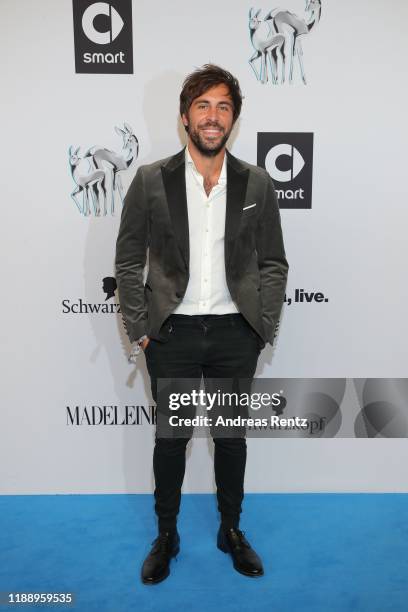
(209, 148)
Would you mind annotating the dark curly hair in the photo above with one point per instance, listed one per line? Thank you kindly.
(201, 80)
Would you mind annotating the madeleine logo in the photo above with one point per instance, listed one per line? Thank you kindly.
(114, 414)
(103, 36)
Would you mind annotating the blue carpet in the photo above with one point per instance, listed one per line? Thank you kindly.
(321, 552)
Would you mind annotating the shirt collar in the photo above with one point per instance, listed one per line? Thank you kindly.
(223, 174)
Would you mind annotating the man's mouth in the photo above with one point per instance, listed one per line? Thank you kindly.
(211, 131)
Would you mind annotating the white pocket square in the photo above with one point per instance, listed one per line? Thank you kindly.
(250, 206)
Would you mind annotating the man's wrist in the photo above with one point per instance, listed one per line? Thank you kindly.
(136, 348)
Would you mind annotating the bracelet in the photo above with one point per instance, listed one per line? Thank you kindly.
(137, 347)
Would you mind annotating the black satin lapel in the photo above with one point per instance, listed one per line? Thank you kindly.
(175, 186)
(237, 182)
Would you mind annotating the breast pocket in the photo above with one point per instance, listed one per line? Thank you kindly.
(249, 217)
(249, 210)
(248, 220)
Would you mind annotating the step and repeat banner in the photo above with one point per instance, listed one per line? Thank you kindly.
(90, 92)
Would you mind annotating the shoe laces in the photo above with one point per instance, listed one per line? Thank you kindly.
(162, 543)
(240, 536)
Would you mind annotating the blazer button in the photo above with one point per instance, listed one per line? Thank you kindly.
(178, 294)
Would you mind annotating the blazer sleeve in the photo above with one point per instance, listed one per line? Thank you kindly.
(272, 263)
(131, 248)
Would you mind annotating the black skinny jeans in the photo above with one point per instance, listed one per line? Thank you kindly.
(212, 346)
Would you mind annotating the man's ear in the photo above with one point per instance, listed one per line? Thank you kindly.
(184, 119)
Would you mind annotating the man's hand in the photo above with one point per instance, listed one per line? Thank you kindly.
(145, 343)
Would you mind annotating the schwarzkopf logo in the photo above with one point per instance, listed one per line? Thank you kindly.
(103, 36)
(288, 157)
(109, 287)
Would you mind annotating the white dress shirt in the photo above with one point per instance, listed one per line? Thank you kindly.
(207, 291)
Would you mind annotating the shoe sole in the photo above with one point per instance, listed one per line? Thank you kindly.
(166, 575)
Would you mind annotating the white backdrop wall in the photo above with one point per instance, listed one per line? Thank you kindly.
(350, 245)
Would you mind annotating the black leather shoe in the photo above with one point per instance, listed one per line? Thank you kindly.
(156, 565)
(245, 559)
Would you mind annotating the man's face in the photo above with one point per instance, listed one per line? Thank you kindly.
(210, 120)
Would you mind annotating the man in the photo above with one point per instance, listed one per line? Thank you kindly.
(213, 294)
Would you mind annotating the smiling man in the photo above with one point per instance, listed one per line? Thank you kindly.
(212, 297)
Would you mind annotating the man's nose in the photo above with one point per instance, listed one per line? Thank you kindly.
(212, 114)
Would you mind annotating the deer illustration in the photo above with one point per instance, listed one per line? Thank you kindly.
(266, 42)
(88, 181)
(289, 24)
(107, 160)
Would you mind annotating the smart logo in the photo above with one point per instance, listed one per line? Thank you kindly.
(103, 36)
(116, 23)
(288, 158)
